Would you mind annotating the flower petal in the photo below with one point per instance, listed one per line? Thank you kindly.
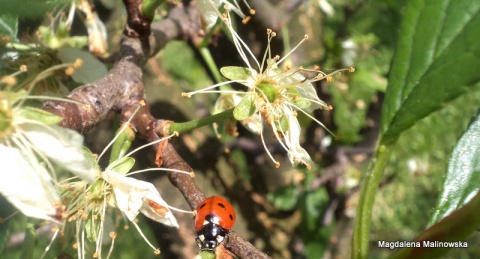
(209, 12)
(296, 153)
(27, 186)
(62, 146)
(134, 196)
(156, 208)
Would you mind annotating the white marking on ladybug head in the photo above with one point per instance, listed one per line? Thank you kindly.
(205, 222)
(219, 238)
(216, 220)
(201, 237)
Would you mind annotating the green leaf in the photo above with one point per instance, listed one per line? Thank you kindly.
(32, 9)
(236, 73)
(245, 108)
(91, 68)
(39, 115)
(29, 241)
(284, 198)
(6, 211)
(463, 176)
(9, 26)
(437, 59)
(454, 228)
(314, 233)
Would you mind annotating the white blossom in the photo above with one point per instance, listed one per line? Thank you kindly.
(273, 96)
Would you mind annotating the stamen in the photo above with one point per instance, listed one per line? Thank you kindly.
(277, 164)
(145, 238)
(204, 90)
(159, 169)
(149, 144)
(113, 236)
(292, 50)
(313, 118)
(57, 230)
(120, 132)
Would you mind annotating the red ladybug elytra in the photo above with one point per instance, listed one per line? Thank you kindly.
(214, 219)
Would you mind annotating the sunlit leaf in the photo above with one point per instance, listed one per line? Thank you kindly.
(456, 227)
(462, 181)
(436, 61)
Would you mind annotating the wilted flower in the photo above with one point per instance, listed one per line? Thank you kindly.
(273, 96)
(31, 147)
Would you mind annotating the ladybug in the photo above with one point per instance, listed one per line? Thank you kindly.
(213, 220)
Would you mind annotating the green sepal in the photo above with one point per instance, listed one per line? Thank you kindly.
(236, 73)
(302, 103)
(297, 99)
(122, 166)
(282, 124)
(122, 143)
(39, 115)
(268, 90)
(92, 228)
(90, 157)
(245, 108)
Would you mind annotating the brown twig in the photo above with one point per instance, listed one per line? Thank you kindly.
(122, 89)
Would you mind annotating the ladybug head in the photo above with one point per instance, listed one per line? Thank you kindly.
(210, 236)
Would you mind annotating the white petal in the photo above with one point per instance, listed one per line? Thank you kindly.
(209, 12)
(27, 186)
(293, 141)
(62, 146)
(132, 197)
(129, 192)
(253, 123)
(159, 211)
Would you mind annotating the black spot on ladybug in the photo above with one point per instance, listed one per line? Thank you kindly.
(203, 205)
(231, 217)
(221, 205)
